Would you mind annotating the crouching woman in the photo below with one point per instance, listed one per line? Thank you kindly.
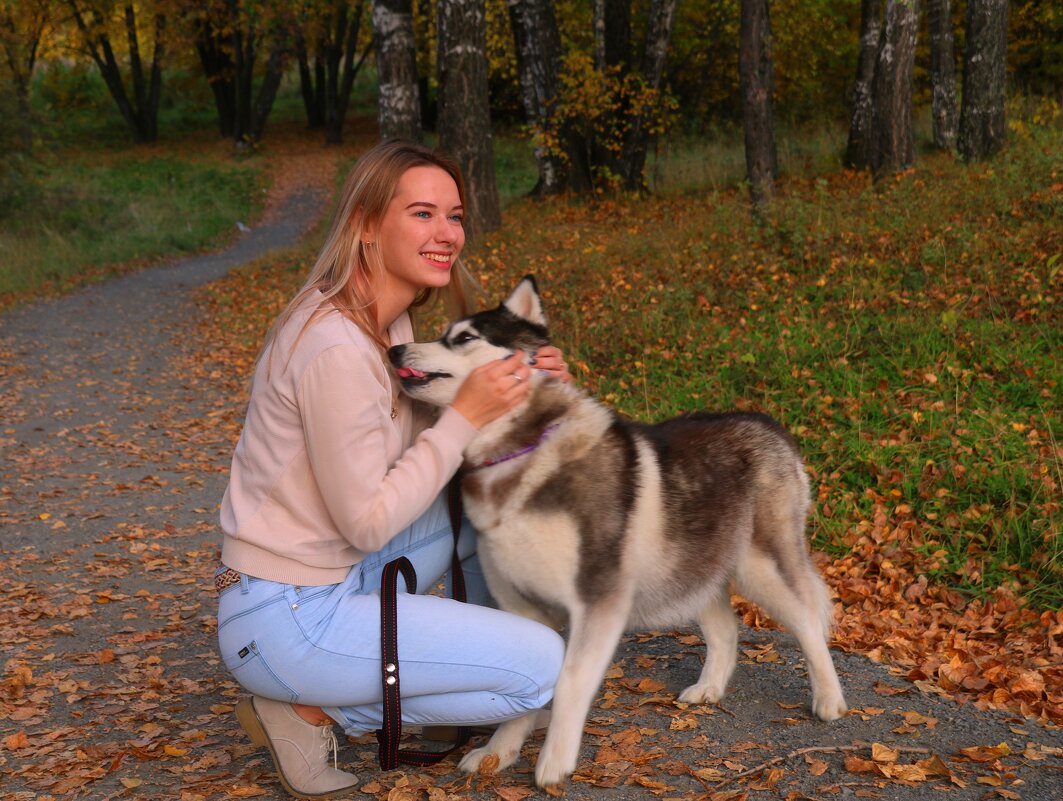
(336, 474)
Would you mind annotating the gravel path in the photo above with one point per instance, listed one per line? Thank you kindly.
(109, 491)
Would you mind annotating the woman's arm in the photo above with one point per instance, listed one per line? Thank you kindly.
(345, 411)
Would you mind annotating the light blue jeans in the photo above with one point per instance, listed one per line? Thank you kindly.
(461, 664)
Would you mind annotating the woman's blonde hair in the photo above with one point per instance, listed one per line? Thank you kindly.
(348, 272)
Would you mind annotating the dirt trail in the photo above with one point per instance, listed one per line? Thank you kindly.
(109, 488)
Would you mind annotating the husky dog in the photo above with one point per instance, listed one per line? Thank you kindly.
(603, 524)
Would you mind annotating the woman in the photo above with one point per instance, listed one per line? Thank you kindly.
(336, 474)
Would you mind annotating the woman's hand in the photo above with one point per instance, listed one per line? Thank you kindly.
(493, 389)
(552, 362)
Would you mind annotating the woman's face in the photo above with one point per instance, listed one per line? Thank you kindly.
(420, 234)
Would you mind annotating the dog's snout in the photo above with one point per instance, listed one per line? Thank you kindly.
(395, 354)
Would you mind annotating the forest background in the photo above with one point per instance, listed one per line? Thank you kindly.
(903, 320)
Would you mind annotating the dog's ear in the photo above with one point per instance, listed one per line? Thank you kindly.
(524, 301)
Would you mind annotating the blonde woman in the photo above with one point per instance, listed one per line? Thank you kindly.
(336, 474)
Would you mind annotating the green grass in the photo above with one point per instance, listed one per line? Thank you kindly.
(87, 215)
(908, 331)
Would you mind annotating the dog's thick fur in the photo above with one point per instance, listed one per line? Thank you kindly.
(605, 525)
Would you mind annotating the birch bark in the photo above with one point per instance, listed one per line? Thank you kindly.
(400, 100)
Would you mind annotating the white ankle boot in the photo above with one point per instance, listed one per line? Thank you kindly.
(299, 749)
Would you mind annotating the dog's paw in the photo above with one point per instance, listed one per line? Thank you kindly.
(552, 772)
(472, 761)
(701, 694)
(830, 707)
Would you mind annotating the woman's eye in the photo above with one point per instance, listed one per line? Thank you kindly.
(457, 218)
(424, 215)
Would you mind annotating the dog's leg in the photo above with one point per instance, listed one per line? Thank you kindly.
(802, 610)
(720, 628)
(506, 742)
(592, 642)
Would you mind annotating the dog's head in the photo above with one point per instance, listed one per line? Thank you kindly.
(433, 371)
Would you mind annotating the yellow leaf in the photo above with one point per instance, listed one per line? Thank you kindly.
(986, 753)
(911, 773)
(131, 783)
(172, 750)
(683, 724)
(883, 753)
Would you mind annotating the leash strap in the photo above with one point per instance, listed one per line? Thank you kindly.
(388, 737)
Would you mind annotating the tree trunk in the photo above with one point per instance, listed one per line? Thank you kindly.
(982, 120)
(307, 86)
(612, 56)
(464, 112)
(942, 73)
(756, 76)
(637, 142)
(400, 105)
(612, 34)
(342, 69)
(858, 149)
(242, 43)
(267, 89)
(538, 46)
(21, 43)
(892, 149)
(141, 112)
(217, 63)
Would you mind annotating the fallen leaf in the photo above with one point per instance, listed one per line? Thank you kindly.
(817, 767)
(883, 753)
(514, 793)
(13, 742)
(985, 753)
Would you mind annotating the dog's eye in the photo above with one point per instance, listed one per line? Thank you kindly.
(464, 337)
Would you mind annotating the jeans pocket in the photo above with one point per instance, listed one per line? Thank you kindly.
(251, 669)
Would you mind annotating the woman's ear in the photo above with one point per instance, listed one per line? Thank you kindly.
(368, 230)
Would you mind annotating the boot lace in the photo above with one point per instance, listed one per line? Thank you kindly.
(328, 743)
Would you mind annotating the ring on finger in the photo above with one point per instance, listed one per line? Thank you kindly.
(516, 377)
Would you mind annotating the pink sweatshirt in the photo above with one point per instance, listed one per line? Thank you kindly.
(324, 472)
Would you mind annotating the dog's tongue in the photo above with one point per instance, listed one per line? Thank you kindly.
(409, 372)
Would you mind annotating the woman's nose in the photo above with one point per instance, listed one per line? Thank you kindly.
(446, 230)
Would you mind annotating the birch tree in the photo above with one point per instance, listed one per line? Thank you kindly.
(858, 149)
(464, 110)
(880, 130)
(658, 34)
(892, 148)
(982, 117)
(942, 73)
(400, 97)
(538, 46)
(756, 75)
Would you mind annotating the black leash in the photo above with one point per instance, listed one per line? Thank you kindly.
(390, 754)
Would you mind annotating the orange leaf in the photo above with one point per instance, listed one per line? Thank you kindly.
(514, 793)
(13, 742)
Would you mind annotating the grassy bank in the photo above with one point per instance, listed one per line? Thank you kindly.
(908, 332)
(87, 217)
